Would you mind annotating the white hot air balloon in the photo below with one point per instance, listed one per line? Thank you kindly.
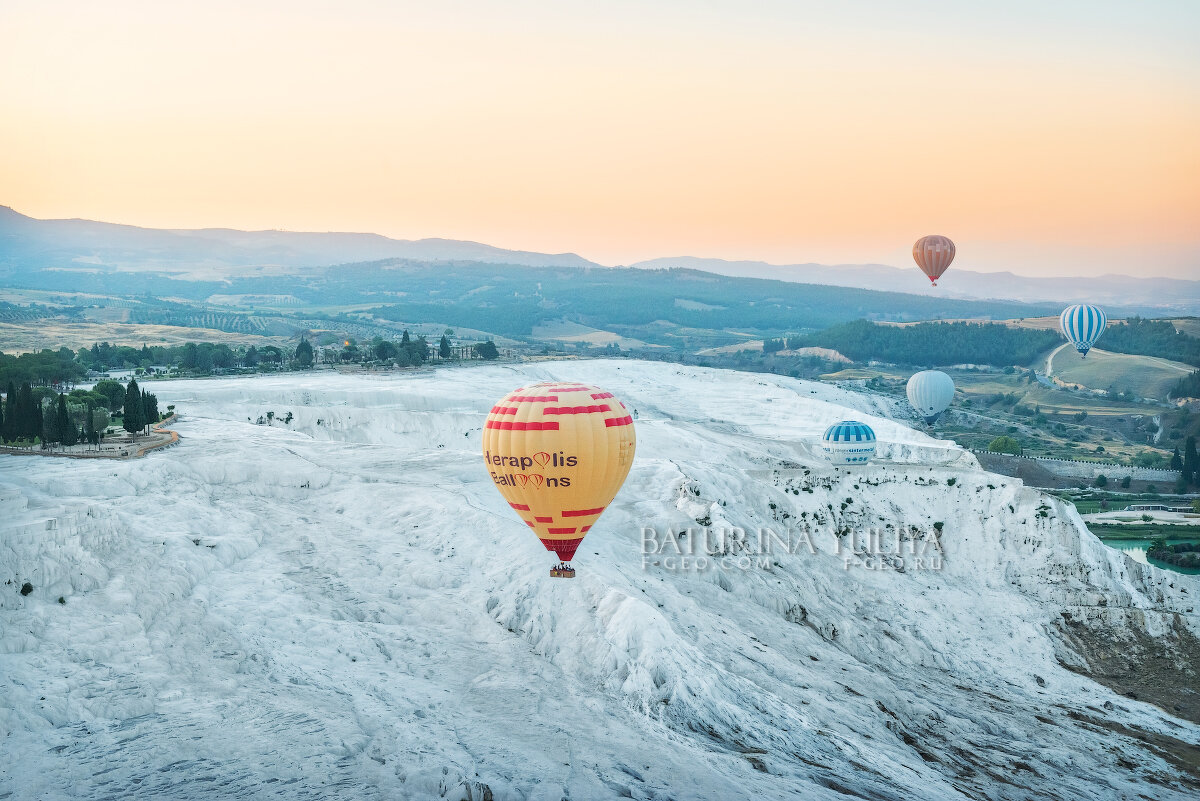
(1082, 326)
(930, 393)
(848, 442)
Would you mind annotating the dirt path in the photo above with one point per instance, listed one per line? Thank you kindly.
(1050, 359)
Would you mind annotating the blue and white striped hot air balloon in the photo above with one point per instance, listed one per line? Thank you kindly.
(849, 442)
(930, 393)
(1082, 325)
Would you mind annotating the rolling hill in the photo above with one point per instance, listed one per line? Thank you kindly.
(1147, 376)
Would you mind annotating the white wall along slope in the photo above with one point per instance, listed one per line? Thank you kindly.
(349, 610)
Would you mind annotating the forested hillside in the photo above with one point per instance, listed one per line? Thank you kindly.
(1152, 338)
(512, 302)
(511, 299)
(933, 344)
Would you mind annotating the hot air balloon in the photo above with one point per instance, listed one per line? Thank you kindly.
(1082, 326)
(933, 255)
(930, 393)
(849, 442)
(558, 452)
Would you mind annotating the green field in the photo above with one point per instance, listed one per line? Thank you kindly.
(1188, 325)
(1147, 376)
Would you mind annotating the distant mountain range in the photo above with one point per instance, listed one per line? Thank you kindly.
(1171, 295)
(209, 254)
(215, 253)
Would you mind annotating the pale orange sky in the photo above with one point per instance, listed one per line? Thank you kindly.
(1057, 140)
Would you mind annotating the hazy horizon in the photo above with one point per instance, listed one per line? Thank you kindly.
(1043, 140)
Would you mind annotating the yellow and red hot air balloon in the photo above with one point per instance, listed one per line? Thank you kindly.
(933, 255)
(559, 452)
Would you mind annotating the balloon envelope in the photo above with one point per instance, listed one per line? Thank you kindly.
(930, 393)
(933, 255)
(848, 442)
(1082, 325)
(558, 452)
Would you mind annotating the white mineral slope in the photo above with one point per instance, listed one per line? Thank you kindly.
(344, 607)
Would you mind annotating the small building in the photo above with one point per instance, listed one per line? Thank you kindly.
(1156, 507)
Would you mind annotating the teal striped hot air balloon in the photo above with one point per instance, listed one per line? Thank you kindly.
(1082, 325)
(930, 393)
(848, 442)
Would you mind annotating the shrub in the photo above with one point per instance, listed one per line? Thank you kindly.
(1005, 445)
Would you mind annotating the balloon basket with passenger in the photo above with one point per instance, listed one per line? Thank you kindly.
(562, 570)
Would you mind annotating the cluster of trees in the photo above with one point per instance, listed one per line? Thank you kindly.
(200, 357)
(1144, 337)
(41, 369)
(22, 414)
(1187, 387)
(1181, 554)
(64, 366)
(933, 344)
(30, 415)
(487, 350)
(408, 352)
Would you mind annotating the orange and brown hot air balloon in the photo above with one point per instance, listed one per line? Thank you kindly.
(558, 452)
(933, 255)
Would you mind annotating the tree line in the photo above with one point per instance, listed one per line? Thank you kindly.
(1142, 337)
(1187, 387)
(64, 366)
(932, 344)
(31, 415)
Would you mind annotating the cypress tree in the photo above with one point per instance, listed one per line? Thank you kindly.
(404, 338)
(12, 414)
(149, 409)
(29, 418)
(132, 418)
(51, 433)
(1176, 460)
(1191, 461)
(304, 353)
(89, 425)
(444, 347)
(66, 429)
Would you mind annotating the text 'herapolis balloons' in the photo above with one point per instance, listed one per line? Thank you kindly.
(559, 452)
(1082, 326)
(848, 442)
(930, 393)
(933, 255)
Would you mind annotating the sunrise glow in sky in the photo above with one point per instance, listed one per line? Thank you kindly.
(1043, 137)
